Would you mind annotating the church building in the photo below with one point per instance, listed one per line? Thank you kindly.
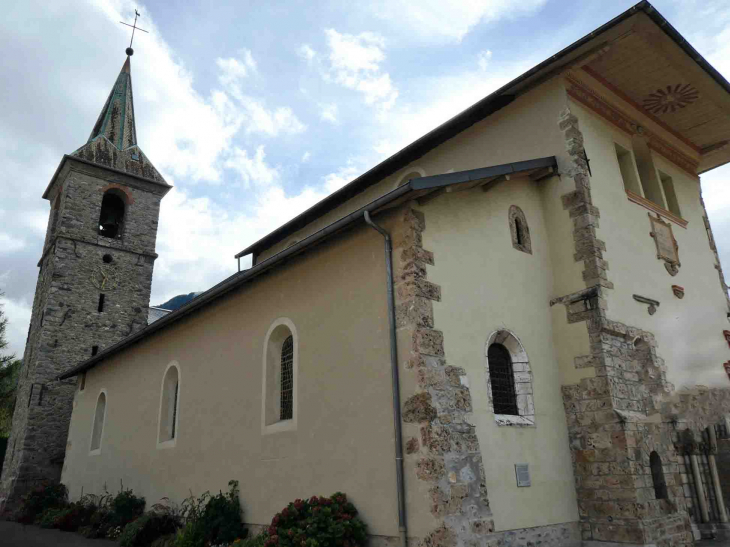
(512, 332)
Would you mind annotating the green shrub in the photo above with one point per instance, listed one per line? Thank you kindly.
(49, 517)
(40, 499)
(255, 541)
(317, 522)
(147, 528)
(211, 520)
(126, 507)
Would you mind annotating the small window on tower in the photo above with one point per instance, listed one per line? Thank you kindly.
(100, 308)
(112, 215)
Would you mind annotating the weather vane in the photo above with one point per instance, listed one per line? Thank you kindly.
(130, 51)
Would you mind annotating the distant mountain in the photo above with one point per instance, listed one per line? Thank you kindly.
(177, 301)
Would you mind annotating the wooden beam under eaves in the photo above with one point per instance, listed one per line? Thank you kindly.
(488, 184)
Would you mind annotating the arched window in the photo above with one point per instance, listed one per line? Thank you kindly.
(279, 401)
(519, 230)
(287, 379)
(509, 380)
(99, 417)
(169, 403)
(111, 217)
(502, 379)
(657, 476)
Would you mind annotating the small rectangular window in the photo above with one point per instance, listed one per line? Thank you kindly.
(94, 350)
(647, 172)
(628, 170)
(102, 297)
(668, 186)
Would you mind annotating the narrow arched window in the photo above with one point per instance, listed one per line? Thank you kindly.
(501, 377)
(169, 405)
(519, 230)
(657, 476)
(287, 379)
(99, 416)
(111, 217)
(279, 397)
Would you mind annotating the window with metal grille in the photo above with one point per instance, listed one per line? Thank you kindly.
(174, 410)
(502, 380)
(287, 379)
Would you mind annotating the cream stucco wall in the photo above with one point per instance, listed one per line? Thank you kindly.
(488, 285)
(688, 331)
(335, 297)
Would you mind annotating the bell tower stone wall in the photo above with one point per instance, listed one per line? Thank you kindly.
(93, 290)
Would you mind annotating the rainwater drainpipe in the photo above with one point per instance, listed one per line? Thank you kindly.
(402, 528)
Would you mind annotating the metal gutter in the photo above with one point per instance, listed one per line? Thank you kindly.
(491, 103)
(240, 278)
(237, 280)
(395, 383)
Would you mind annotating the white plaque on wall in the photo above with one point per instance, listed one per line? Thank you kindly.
(522, 472)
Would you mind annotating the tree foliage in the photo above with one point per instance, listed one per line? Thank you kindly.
(9, 373)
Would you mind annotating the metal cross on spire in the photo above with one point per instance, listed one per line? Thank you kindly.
(130, 51)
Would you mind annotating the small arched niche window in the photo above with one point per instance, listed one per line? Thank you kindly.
(519, 230)
(169, 404)
(111, 217)
(657, 476)
(509, 380)
(98, 426)
(280, 377)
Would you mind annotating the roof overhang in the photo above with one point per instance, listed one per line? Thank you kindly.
(576, 54)
(421, 189)
(67, 160)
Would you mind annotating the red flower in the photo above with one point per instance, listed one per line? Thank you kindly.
(272, 531)
(313, 500)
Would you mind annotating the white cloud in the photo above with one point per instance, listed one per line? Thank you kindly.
(328, 112)
(354, 63)
(233, 70)
(449, 21)
(306, 52)
(335, 181)
(9, 243)
(270, 122)
(305, 157)
(252, 169)
(483, 59)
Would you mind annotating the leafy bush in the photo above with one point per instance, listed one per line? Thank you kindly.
(40, 499)
(255, 541)
(317, 522)
(48, 518)
(211, 520)
(147, 528)
(126, 507)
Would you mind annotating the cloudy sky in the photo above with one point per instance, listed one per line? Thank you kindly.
(256, 110)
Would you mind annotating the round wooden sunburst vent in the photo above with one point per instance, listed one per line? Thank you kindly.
(671, 98)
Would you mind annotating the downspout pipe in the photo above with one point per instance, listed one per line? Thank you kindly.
(402, 528)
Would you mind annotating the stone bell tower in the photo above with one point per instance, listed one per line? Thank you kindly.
(94, 281)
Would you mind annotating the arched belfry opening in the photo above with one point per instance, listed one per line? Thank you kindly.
(111, 217)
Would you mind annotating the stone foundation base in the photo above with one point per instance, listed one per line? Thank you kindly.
(555, 535)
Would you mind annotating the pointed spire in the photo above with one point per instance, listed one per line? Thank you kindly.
(116, 121)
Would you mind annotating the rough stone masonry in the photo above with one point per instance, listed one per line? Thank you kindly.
(92, 290)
